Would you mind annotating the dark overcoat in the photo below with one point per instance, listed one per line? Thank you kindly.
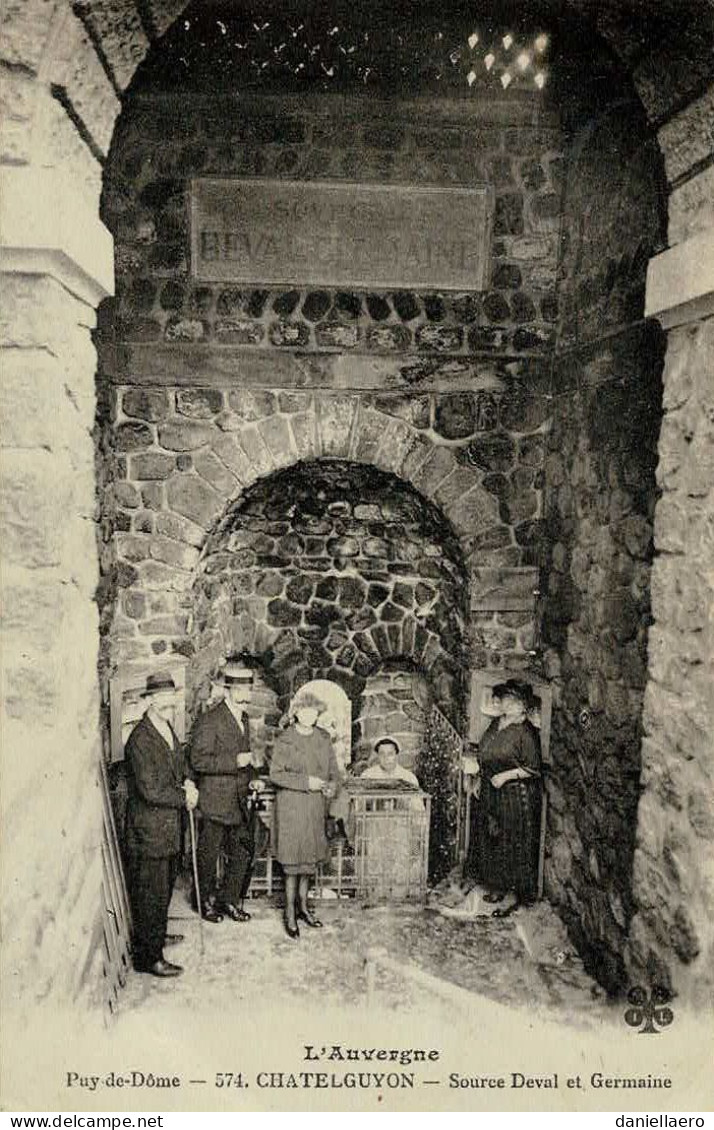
(155, 797)
(222, 787)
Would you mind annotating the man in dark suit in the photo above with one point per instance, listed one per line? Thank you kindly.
(222, 760)
(159, 787)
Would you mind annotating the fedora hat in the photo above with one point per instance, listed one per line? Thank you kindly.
(155, 684)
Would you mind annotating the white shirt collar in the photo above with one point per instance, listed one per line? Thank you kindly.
(162, 727)
(236, 710)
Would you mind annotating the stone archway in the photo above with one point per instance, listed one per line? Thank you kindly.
(334, 570)
(327, 570)
(186, 473)
(67, 67)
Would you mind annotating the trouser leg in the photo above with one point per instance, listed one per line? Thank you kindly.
(239, 862)
(209, 845)
(174, 868)
(150, 885)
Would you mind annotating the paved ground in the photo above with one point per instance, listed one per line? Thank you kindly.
(524, 960)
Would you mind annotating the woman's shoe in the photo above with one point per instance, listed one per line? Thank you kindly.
(291, 931)
(308, 918)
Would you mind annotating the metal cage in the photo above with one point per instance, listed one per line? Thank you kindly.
(386, 854)
(392, 844)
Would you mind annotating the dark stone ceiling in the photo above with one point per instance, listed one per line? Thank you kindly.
(413, 47)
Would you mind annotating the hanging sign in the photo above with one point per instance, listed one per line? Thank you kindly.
(332, 234)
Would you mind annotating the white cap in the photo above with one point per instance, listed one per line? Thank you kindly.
(237, 673)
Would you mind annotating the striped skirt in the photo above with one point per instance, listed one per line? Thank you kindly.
(506, 838)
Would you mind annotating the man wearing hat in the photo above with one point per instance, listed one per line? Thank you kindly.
(222, 760)
(159, 787)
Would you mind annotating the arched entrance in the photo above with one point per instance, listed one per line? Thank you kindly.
(65, 75)
(328, 569)
(332, 570)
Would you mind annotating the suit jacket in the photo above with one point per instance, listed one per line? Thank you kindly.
(155, 802)
(222, 786)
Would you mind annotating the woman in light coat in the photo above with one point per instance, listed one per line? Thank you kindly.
(306, 775)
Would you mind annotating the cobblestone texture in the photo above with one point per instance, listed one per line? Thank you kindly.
(599, 512)
(295, 575)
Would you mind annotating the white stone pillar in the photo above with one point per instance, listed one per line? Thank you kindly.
(56, 263)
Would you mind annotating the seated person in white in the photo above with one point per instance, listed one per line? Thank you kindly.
(387, 767)
(390, 857)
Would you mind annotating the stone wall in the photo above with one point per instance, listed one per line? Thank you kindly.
(613, 223)
(158, 147)
(56, 265)
(672, 935)
(207, 386)
(600, 499)
(671, 932)
(175, 460)
(394, 703)
(51, 745)
(324, 571)
(600, 467)
(316, 477)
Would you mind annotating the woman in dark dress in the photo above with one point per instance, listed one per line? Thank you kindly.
(504, 852)
(306, 775)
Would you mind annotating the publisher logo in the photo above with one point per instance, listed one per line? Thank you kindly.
(649, 1012)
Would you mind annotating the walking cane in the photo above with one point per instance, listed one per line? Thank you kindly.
(194, 861)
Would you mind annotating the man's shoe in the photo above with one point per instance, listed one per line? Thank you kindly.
(505, 911)
(235, 913)
(161, 968)
(173, 939)
(210, 914)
